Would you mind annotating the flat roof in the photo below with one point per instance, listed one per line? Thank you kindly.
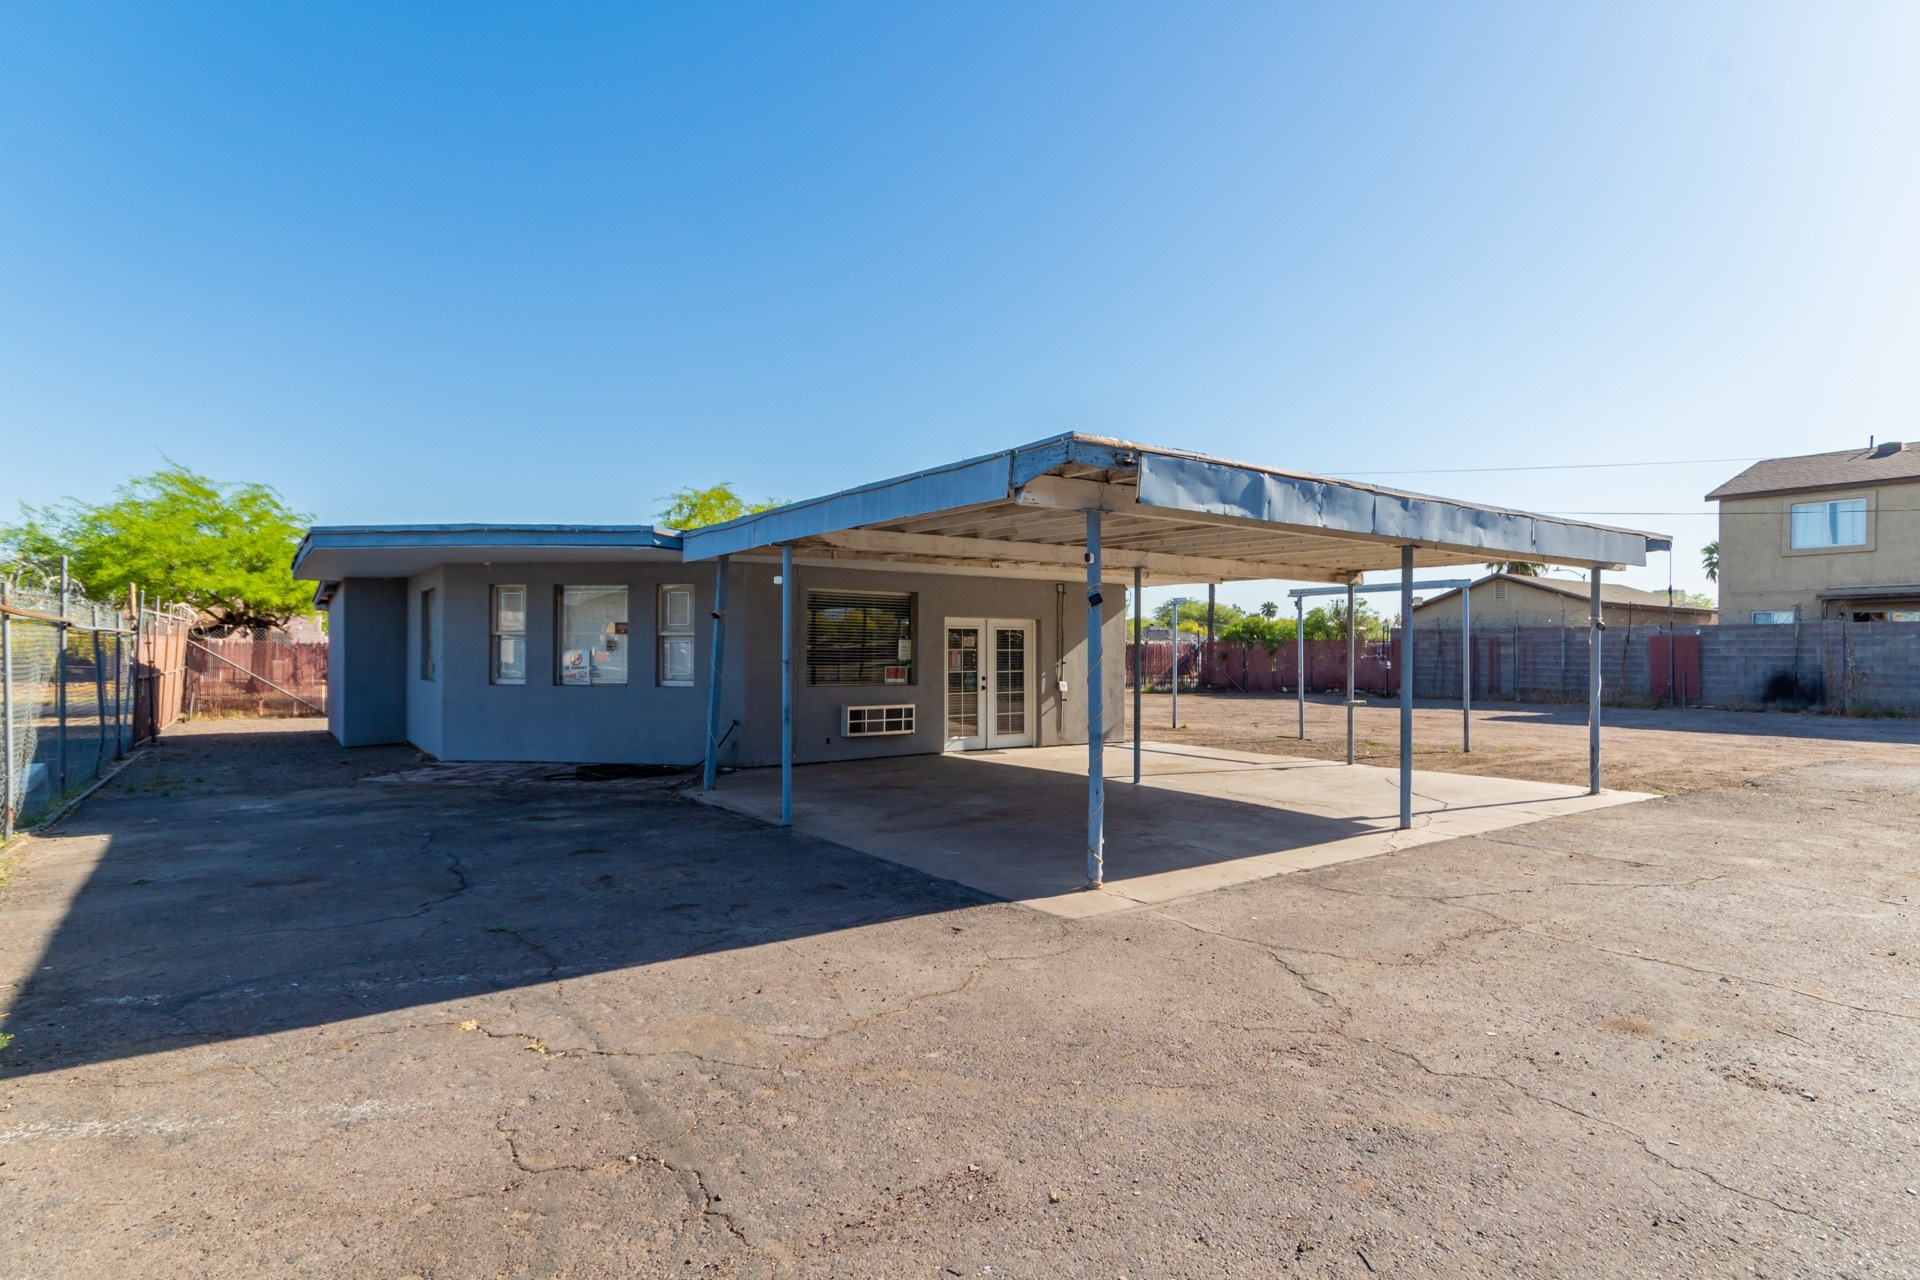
(1179, 516)
(331, 552)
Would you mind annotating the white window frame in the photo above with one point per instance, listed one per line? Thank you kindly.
(1773, 617)
(590, 673)
(671, 634)
(1825, 516)
(497, 633)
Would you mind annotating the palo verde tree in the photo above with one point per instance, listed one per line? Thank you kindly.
(716, 504)
(226, 550)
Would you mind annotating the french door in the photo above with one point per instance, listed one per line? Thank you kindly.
(990, 665)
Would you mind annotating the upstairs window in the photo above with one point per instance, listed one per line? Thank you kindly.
(510, 635)
(859, 637)
(1838, 523)
(676, 636)
(592, 636)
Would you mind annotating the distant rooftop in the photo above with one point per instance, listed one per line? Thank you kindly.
(1890, 462)
(1610, 593)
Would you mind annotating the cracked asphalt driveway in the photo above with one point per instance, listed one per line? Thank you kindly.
(272, 1019)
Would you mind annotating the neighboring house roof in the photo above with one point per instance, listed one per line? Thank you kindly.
(1614, 593)
(1889, 463)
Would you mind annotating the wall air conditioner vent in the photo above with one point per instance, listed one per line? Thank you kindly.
(878, 722)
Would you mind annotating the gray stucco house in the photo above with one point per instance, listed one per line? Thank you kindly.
(592, 644)
(960, 607)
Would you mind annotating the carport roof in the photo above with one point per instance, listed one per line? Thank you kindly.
(1176, 515)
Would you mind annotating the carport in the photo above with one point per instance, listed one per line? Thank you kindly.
(1166, 516)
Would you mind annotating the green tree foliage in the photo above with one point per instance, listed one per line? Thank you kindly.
(1193, 616)
(1329, 622)
(1710, 560)
(716, 504)
(1269, 610)
(1698, 599)
(1518, 568)
(224, 549)
(1257, 629)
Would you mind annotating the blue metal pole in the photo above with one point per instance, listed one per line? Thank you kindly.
(1353, 650)
(1466, 668)
(1406, 688)
(1593, 685)
(1096, 723)
(714, 667)
(786, 686)
(1300, 659)
(1139, 671)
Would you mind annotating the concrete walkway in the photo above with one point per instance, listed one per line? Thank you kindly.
(1013, 823)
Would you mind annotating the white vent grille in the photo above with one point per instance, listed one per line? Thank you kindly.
(879, 722)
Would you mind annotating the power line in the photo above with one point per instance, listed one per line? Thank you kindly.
(1569, 466)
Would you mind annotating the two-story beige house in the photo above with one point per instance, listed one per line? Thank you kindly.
(1828, 535)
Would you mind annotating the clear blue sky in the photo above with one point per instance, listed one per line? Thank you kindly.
(435, 262)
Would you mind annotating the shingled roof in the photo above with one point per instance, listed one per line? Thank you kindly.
(1610, 593)
(1889, 463)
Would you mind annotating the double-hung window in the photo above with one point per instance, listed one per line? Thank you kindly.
(859, 637)
(510, 635)
(591, 626)
(1841, 522)
(675, 629)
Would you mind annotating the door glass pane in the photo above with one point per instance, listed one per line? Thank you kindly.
(963, 682)
(1010, 681)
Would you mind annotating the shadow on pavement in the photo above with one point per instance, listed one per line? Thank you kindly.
(252, 883)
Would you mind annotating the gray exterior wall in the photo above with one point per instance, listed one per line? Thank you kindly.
(818, 710)
(461, 715)
(366, 662)
(426, 699)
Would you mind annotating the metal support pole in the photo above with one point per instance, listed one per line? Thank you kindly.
(715, 665)
(99, 695)
(786, 685)
(1406, 688)
(1594, 627)
(1466, 669)
(60, 667)
(1139, 670)
(1096, 726)
(1173, 677)
(1300, 660)
(1353, 652)
(9, 801)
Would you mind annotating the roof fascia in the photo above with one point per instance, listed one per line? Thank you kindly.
(1179, 483)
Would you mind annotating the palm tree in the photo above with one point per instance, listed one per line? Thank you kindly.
(1518, 568)
(1710, 560)
(1269, 610)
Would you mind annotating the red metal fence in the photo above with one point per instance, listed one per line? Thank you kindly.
(243, 676)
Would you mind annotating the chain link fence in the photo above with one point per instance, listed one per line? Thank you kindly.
(82, 682)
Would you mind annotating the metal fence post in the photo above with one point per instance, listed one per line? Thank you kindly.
(9, 802)
(60, 686)
(99, 696)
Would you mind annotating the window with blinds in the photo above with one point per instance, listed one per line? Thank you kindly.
(859, 637)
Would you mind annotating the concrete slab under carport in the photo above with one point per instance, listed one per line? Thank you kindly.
(1011, 823)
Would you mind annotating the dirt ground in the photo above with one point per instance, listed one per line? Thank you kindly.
(1666, 751)
(272, 1018)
